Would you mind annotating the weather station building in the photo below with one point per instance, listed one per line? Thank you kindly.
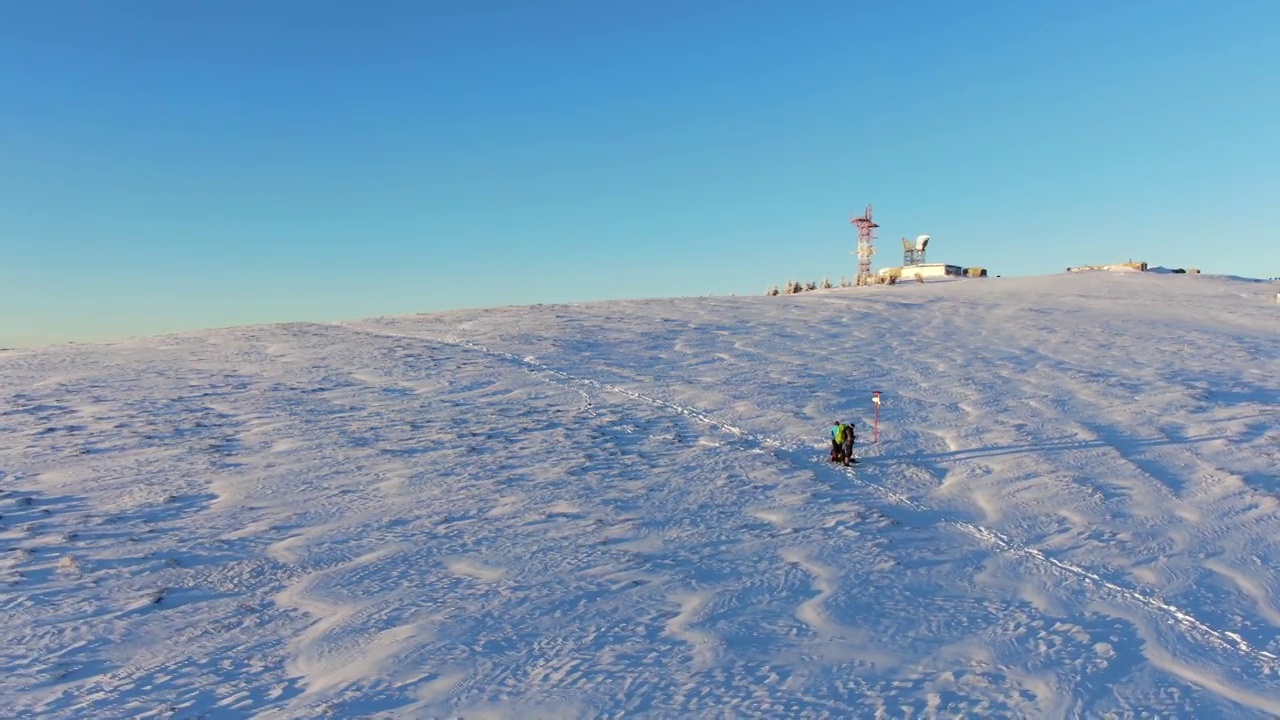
(913, 264)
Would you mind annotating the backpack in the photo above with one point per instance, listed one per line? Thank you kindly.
(839, 434)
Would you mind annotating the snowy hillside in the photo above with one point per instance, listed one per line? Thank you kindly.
(625, 508)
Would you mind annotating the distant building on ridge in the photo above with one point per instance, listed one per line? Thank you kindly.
(914, 265)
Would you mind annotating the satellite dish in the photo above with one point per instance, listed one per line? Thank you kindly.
(921, 242)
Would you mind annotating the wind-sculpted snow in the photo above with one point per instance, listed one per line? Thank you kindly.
(625, 509)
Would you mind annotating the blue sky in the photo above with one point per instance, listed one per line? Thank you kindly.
(168, 166)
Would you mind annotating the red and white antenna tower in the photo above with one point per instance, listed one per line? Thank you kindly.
(866, 239)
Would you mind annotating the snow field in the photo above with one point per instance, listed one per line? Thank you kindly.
(624, 509)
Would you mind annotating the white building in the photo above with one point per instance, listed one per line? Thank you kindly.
(925, 270)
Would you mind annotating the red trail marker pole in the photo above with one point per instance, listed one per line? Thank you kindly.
(875, 398)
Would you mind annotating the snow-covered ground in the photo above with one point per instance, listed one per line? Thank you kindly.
(625, 509)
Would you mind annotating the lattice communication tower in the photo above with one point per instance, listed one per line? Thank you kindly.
(866, 241)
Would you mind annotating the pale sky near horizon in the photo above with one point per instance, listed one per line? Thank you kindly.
(171, 166)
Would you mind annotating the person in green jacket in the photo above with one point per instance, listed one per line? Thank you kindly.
(837, 441)
(846, 444)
